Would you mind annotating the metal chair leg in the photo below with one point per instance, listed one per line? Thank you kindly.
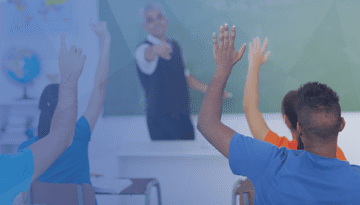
(158, 193)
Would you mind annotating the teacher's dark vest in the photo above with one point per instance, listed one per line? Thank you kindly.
(166, 89)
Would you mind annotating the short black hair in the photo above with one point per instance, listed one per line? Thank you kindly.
(47, 105)
(318, 110)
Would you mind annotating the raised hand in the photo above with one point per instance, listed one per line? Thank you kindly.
(71, 63)
(163, 50)
(256, 53)
(100, 29)
(224, 52)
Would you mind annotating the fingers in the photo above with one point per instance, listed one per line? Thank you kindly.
(216, 45)
(62, 42)
(83, 59)
(73, 49)
(263, 48)
(79, 51)
(226, 34)
(221, 37)
(242, 51)
(232, 36)
(250, 47)
(266, 56)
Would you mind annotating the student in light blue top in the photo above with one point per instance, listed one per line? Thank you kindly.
(73, 165)
(279, 175)
(19, 170)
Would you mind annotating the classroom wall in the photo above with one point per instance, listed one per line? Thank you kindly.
(308, 40)
(111, 132)
(47, 45)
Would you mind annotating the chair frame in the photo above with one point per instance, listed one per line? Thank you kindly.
(79, 189)
(245, 189)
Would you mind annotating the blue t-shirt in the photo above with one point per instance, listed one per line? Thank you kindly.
(283, 176)
(16, 174)
(73, 165)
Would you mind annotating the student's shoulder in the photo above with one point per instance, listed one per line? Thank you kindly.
(356, 168)
(82, 130)
(83, 123)
(28, 143)
(174, 42)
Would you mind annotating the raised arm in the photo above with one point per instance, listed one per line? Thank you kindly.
(209, 122)
(62, 130)
(101, 75)
(257, 124)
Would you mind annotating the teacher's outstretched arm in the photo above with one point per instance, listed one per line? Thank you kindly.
(209, 122)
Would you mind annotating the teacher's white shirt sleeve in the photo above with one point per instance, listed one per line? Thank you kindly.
(145, 66)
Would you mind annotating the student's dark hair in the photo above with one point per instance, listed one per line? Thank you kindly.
(319, 112)
(47, 105)
(289, 109)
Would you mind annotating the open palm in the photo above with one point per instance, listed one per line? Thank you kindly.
(224, 52)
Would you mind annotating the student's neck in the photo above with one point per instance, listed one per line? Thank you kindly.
(161, 37)
(322, 149)
(294, 135)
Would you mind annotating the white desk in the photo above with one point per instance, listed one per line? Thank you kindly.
(189, 172)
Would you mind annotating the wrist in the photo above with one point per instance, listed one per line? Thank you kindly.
(254, 66)
(105, 41)
(220, 72)
(69, 82)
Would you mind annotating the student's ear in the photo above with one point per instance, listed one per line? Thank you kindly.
(299, 131)
(342, 125)
(287, 121)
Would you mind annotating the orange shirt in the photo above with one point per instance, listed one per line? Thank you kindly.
(274, 139)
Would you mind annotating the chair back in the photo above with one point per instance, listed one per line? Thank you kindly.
(59, 194)
(245, 189)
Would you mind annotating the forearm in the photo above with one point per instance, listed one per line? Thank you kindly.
(102, 70)
(149, 54)
(65, 115)
(251, 95)
(211, 108)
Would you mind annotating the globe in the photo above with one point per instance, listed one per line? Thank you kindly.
(21, 65)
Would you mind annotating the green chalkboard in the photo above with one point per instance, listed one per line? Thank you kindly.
(315, 40)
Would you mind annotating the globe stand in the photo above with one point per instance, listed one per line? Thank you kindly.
(25, 96)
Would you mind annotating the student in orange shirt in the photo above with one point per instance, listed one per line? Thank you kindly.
(257, 124)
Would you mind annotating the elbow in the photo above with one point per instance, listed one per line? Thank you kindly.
(200, 124)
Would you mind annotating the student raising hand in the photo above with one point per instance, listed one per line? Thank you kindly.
(224, 51)
(100, 29)
(256, 53)
(71, 63)
(209, 121)
(257, 124)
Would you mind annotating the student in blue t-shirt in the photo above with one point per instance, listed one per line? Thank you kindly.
(19, 170)
(73, 165)
(280, 175)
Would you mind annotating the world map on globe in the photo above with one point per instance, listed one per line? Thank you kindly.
(21, 65)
